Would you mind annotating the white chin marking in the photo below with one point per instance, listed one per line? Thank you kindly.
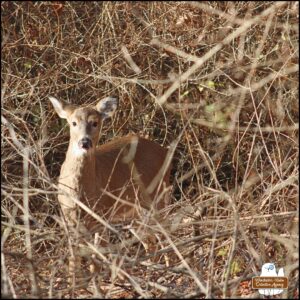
(80, 151)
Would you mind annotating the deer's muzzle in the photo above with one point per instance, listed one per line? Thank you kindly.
(85, 143)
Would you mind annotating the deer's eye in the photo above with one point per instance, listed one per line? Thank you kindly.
(74, 123)
(95, 124)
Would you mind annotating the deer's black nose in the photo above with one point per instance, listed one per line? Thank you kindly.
(85, 143)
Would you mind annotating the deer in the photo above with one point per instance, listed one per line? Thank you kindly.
(116, 180)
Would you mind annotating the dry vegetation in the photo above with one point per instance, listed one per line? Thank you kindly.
(218, 80)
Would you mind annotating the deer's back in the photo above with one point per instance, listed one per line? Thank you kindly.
(117, 176)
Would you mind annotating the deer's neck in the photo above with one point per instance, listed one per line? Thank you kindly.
(78, 174)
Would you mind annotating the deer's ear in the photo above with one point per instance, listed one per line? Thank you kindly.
(63, 109)
(107, 107)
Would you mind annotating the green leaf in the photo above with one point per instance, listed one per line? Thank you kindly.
(210, 108)
(210, 84)
(235, 267)
(28, 65)
(185, 93)
(222, 252)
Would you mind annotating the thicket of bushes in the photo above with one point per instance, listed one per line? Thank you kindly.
(229, 71)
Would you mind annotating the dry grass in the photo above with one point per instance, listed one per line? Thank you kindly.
(220, 76)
